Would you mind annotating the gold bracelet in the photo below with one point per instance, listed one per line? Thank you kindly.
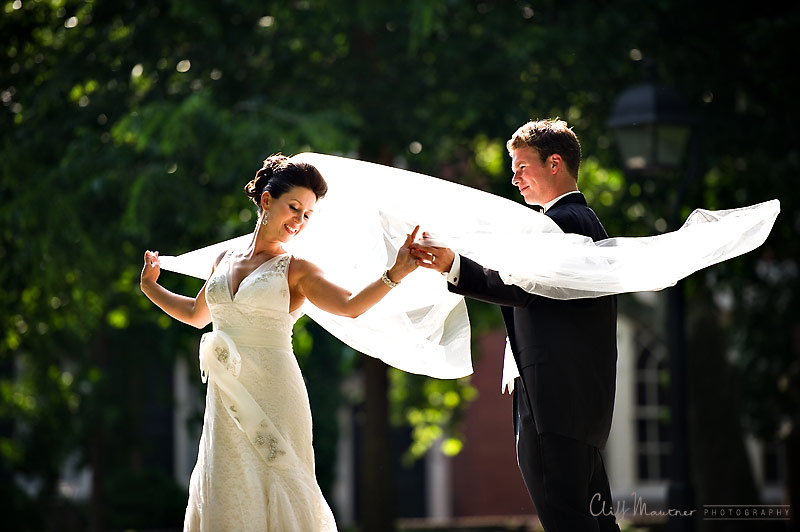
(389, 282)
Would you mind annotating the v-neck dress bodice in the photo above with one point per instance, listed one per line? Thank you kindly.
(260, 303)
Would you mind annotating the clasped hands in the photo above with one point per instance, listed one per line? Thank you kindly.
(432, 254)
(428, 253)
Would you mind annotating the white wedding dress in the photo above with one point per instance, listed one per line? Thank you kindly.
(255, 465)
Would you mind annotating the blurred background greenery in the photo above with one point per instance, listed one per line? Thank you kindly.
(131, 125)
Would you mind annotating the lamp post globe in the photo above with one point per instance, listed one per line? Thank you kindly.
(652, 127)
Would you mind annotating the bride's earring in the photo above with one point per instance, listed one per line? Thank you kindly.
(265, 218)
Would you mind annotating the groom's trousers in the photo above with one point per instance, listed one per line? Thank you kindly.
(566, 478)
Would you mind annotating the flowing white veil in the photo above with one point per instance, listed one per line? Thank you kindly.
(421, 327)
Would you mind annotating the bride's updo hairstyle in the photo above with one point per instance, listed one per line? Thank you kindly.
(278, 175)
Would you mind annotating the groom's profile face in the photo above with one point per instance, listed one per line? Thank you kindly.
(532, 177)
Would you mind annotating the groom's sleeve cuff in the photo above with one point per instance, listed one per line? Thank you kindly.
(455, 270)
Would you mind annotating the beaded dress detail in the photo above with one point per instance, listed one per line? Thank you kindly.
(255, 464)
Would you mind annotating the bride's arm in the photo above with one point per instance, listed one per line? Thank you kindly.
(310, 282)
(190, 310)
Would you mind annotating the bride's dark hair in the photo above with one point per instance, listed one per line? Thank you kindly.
(279, 174)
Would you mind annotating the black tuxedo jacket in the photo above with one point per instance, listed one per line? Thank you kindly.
(566, 351)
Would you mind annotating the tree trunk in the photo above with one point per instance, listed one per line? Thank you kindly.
(789, 440)
(97, 461)
(721, 469)
(377, 474)
(96, 443)
(791, 457)
(377, 482)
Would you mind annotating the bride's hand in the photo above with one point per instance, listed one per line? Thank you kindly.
(151, 269)
(405, 263)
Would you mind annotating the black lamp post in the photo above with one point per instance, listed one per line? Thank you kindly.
(653, 130)
(652, 126)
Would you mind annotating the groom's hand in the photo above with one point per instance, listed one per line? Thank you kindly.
(432, 254)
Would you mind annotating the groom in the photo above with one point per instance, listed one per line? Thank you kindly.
(565, 351)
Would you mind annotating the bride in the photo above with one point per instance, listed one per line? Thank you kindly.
(255, 466)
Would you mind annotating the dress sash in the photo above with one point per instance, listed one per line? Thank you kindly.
(221, 362)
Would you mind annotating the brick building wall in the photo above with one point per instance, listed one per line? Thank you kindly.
(485, 478)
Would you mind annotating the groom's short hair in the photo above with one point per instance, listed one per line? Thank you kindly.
(548, 137)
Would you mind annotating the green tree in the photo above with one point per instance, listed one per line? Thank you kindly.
(132, 125)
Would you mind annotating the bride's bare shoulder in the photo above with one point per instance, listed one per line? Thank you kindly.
(217, 261)
(219, 258)
(301, 267)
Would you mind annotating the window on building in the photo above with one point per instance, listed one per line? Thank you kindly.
(652, 412)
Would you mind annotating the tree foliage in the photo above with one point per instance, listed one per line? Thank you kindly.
(132, 125)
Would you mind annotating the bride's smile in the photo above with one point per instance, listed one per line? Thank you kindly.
(290, 212)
